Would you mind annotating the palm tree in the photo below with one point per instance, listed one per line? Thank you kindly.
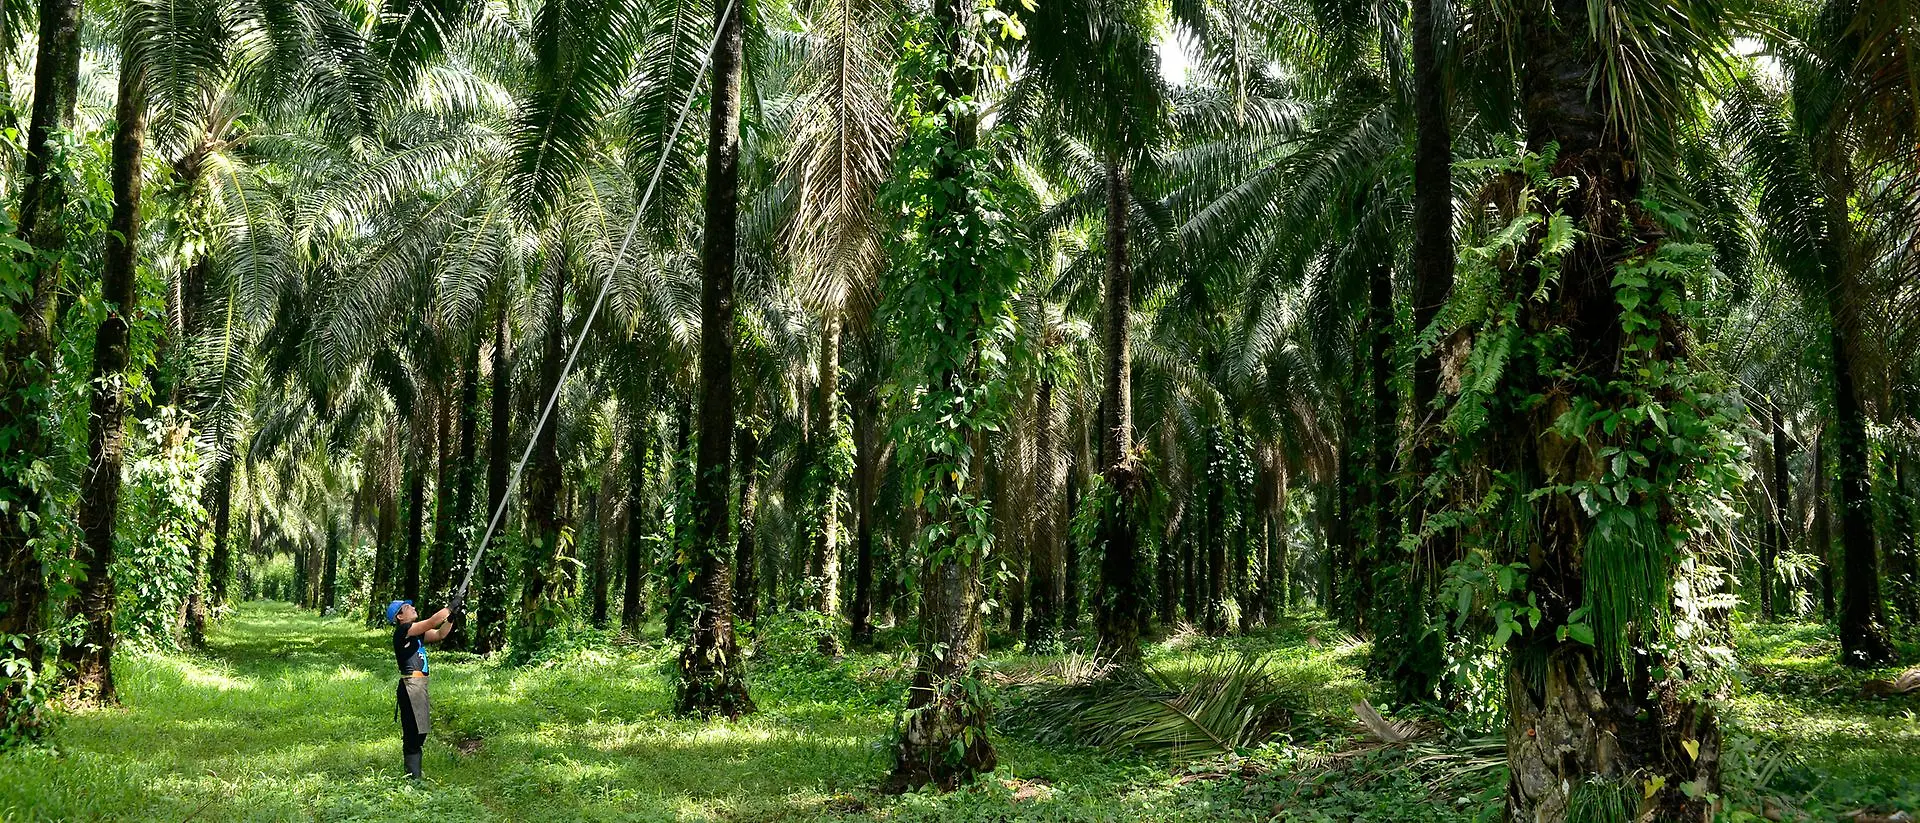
(948, 307)
(711, 680)
(1587, 90)
(28, 351)
(1097, 62)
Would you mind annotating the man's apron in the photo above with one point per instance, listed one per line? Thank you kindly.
(411, 705)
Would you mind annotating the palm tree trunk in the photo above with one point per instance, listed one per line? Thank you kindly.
(1433, 263)
(1822, 525)
(1572, 724)
(440, 569)
(711, 680)
(542, 578)
(26, 355)
(91, 661)
(330, 572)
(747, 542)
(1070, 586)
(462, 553)
(1863, 638)
(1123, 601)
(1216, 544)
(418, 456)
(823, 565)
(490, 618)
(943, 737)
(220, 564)
(1782, 500)
(1043, 577)
(865, 474)
(633, 615)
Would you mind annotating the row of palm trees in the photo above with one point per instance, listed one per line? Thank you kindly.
(1235, 288)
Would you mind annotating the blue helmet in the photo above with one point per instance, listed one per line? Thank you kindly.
(394, 608)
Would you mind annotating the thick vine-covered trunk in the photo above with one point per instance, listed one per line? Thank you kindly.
(1585, 728)
(943, 739)
(543, 579)
(490, 583)
(1070, 588)
(27, 353)
(823, 563)
(90, 662)
(1122, 611)
(711, 679)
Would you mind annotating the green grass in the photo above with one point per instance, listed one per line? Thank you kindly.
(289, 716)
(1830, 749)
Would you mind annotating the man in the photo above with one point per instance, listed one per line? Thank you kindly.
(410, 638)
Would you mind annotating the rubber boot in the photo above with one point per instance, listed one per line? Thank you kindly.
(413, 765)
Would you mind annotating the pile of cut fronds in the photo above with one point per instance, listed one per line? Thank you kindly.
(1228, 705)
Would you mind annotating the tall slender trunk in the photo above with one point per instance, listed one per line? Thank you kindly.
(597, 567)
(1782, 502)
(1432, 265)
(943, 737)
(865, 477)
(330, 570)
(462, 552)
(1863, 637)
(1070, 586)
(543, 578)
(418, 457)
(1903, 566)
(1242, 557)
(711, 680)
(1580, 723)
(680, 470)
(823, 565)
(1043, 576)
(1279, 575)
(91, 661)
(220, 564)
(746, 543)
(1123, 603)
(640, 433)
(1822, 526)
(386, 523)
(490, 618)
(440, 568)
(1216, 543)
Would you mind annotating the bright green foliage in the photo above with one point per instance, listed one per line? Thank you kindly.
(163, 531)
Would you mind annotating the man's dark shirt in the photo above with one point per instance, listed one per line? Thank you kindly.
(409, 653)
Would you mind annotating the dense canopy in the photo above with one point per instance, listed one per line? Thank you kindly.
(1045, 389)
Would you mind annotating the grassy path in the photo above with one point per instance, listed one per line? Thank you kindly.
(289, 716)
